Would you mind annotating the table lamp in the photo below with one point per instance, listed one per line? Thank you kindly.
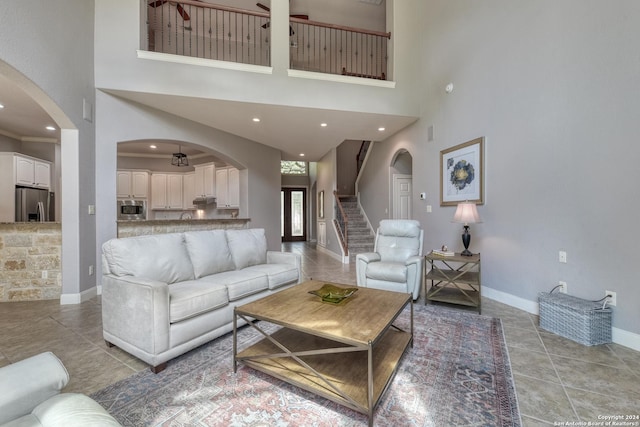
(466, 213)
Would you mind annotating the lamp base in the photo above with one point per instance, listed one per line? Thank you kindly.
(466, 239)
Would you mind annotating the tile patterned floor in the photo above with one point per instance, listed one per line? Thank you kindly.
(556, 379)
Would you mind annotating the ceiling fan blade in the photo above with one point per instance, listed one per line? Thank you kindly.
(182, 12)
(263, 7)
(267, 25)
(157, 3)
(300, 16)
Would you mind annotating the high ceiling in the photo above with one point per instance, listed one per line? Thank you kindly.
(23, 119)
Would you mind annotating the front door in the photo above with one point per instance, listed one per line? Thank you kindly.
(293, 224)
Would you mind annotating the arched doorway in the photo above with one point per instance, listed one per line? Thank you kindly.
(401, 172)
(68, 189)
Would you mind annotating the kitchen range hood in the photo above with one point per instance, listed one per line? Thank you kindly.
(204, 200)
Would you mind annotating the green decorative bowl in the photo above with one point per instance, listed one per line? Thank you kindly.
(333, 294)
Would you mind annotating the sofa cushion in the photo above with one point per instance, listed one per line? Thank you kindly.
(161, 257)
(193, 297)
(398, 240)
(248, 247)
(277, 274)
(388, 271)
(239, 283)
(72, 410)
(209, 252)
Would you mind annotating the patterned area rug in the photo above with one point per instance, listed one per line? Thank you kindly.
(457, 374)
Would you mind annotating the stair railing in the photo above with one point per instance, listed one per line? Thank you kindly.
(341, 221)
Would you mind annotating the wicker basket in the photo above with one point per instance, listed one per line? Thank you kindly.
(579, 320)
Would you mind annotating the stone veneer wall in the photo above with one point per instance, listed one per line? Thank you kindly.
(30, 261)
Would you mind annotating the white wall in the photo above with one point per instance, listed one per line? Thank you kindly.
(126, 121)
(553, 87)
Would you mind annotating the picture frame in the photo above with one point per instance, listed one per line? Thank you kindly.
(321, 204)
(462, 173)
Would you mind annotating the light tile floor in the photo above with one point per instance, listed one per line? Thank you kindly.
(556, 379)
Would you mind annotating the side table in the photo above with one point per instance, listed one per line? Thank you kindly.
(454, 279)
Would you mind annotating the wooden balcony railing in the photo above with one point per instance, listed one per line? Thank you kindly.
(203, 30)
(334, 49)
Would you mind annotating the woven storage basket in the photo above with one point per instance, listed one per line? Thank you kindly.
(579, 320)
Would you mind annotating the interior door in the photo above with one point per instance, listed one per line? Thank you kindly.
(293, 214)
(402, 188)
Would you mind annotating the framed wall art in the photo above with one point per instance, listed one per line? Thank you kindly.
(321, 204)
(462, 173)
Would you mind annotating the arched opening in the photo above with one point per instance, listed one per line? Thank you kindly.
(181, 184)
(401, 176)
(65, 186)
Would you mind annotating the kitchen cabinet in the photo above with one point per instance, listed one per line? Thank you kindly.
(188, 190)
(132, 184)
(32, 172)
(166, 191)
(228, 188)
(205, 178)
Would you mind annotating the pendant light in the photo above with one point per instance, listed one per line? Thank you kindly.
(179, 158)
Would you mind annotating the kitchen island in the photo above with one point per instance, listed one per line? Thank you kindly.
(163, 226)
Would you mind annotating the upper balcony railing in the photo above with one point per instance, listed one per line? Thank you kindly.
(203, 30)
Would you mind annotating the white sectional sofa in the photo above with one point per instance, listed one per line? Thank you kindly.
(165, 294)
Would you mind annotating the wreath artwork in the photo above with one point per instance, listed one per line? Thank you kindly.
(461, 173)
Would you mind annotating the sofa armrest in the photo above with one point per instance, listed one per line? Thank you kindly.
(275, 257)
(361, 266)
(136, 310)
(415, 275)
(29, 382)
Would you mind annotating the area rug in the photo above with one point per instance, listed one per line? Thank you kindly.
(457, 374)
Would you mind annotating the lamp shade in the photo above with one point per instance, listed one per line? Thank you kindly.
(466, 213)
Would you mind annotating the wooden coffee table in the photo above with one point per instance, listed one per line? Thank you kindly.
(347, 353)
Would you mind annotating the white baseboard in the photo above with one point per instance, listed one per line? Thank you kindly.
(618, 336)
(86, 295)
(331, 253)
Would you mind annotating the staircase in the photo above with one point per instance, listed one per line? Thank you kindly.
(359, 236)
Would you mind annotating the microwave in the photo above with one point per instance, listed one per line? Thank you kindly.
(132, 210)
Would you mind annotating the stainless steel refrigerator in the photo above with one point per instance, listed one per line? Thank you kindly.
(33, 204)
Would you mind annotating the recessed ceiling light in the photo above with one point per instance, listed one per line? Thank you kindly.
(1, 106)
(301, 154)
(381, 129)
(324, 125)
(50, 128)
(153, 146)
(256, 119)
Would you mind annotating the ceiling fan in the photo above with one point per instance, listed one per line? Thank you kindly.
(293, 15)
(183, 13)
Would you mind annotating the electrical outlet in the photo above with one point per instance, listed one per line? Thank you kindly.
(45, 274)
(613, 299)
(563, 287)
(562, 257)
(428, 208)
(91, 270)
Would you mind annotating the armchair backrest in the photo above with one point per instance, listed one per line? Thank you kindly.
(398, 239)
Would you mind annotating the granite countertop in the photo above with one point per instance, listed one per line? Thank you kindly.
(182, 221)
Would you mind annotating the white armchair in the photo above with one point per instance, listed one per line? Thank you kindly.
(397, 263)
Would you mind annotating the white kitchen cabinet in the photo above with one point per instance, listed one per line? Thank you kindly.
(132, 184)
(188, 190)
(228, 188)
(166, 191)
(32, 172)
(205, 178)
